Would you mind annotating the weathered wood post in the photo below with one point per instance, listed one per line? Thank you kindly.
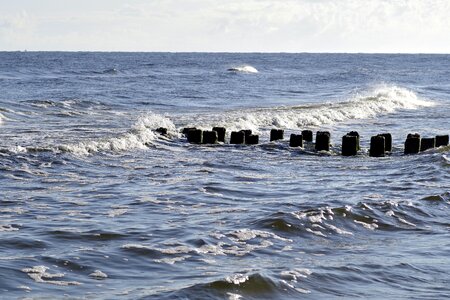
(220, 133)
(307, 135)
(195, 136)
(350, 145)
(412, 143)
(237, 137)
(209, 137)
(296, 140)
(276, 134)
(323, 141)
(377, 146)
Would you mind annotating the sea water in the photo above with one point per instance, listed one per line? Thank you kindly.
(95, 204)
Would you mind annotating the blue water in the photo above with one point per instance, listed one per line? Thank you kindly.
(95, 204)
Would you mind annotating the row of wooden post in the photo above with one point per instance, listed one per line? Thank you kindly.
(379, 144)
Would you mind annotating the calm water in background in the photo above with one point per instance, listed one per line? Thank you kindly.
(95, 204)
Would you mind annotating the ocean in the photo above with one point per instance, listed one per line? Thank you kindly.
(95, 204)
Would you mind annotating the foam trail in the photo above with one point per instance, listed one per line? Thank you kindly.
(139, 137)
(379, 101)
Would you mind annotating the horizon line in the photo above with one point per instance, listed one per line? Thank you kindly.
(226, 52)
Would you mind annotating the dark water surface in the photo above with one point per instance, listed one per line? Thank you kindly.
(95, 204)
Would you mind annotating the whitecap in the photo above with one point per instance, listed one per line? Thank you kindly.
(372, 226)
(171, 261)
(295, 274)
(8, 228)
(316, 232)
(97, 274)
(232, 296)
(237, 278)
(244, 69)
(117, 212)
(39, 274)
(338, 230)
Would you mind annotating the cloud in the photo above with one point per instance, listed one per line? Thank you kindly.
(251, 25)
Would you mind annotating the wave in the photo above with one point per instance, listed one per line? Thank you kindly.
(243, 69)
(109, 71)
(236, 286)
(378, 101)
(140, 136)
(326, 222)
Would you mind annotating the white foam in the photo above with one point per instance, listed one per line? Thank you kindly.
(171, 261)
(237, 278)
(39, 274)
(316, 232)
(97, 274)
(136, 246)
(232, 296)
(338, 230)
(25, 288)
(406, 222)
(295, 274)
(248, 234)
(139, 136)
(117, 212)
(371, 104)
(372, 226)
(8, 228)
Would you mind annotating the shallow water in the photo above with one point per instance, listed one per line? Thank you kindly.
(95, 204)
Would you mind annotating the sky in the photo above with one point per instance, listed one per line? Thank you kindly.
(372, 26)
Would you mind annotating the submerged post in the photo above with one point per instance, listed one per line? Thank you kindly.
(323, 141)
(237, 137)
(307, 135)
(350, 145)
(209, 137)
(441, 140)
(194, 136)
(296, 140)
(276, 134)
(186, 130)
(387, 141)
(377, 146)
(412, 143)
(161, 130)
(246, 132)
(220, 133)
(355, 133)
(252, 139)
(427, 143)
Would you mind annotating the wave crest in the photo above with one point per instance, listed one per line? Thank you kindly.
(140, 136)
(376, 102)
(243, 69)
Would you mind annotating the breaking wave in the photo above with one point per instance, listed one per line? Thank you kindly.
(379, 101)
(243, 69)
(140, 136)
